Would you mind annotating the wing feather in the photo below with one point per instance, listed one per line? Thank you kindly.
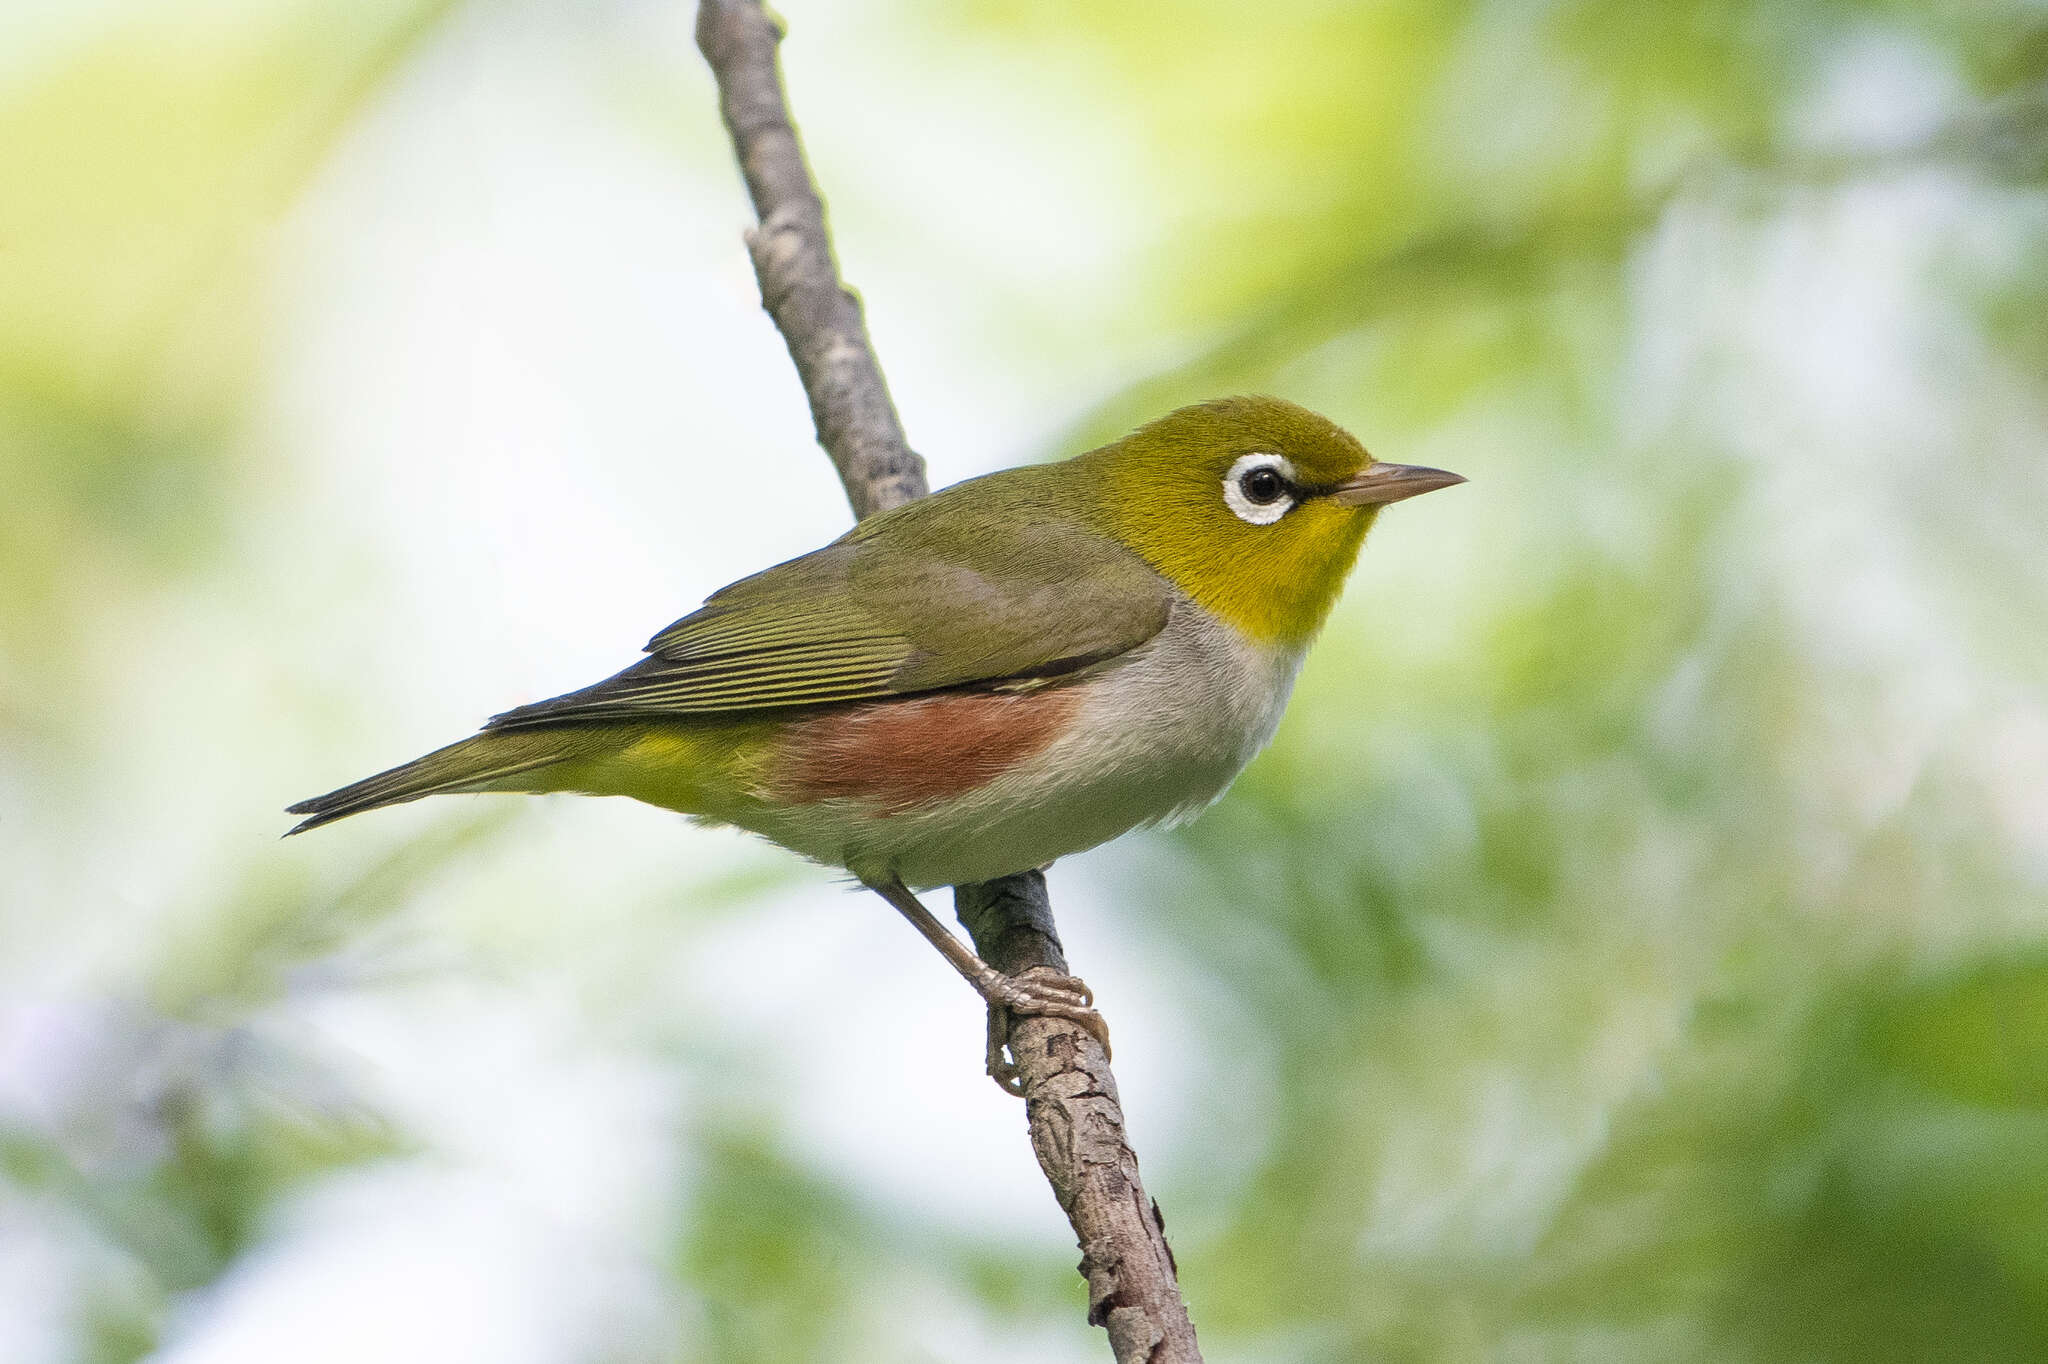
(882, 613)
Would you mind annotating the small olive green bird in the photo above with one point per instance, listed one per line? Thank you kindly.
(975, 683)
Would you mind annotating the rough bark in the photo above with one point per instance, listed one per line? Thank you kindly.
(1077, 1129)
(1070, 1095)
(819, 317)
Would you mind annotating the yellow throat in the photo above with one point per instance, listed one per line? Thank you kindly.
(1164, 490)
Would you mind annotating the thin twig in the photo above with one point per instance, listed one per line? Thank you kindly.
(1070, 1096)
(818, 316)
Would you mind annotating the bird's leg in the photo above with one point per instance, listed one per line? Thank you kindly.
(1040, 990)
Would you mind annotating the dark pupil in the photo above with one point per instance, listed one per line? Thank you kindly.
(1263, 486)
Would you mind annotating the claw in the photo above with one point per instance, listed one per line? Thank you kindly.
(1046, 992)
(1039, 990)
(1000, 1068)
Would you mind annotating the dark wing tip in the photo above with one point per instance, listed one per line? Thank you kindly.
(534, 713)
(585, 703)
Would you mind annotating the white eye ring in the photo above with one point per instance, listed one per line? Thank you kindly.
(1241, 502)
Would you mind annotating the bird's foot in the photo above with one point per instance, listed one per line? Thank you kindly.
(1039, 991)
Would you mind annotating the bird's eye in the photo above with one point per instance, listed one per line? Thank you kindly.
(1262, 485)
(1260, 488)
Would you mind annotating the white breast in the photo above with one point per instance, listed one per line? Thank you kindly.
(1160, 734)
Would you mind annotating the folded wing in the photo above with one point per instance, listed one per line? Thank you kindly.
(892, 609)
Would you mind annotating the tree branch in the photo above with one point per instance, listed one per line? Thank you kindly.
(818, 316)
(1077, 1129)
(1070, 1096)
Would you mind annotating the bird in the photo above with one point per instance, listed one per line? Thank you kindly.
(976, 683)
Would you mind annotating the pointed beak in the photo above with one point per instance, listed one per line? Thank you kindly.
(1378, 484)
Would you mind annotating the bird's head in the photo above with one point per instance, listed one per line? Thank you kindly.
(1254, 507)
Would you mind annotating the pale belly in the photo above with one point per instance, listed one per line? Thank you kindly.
(1153, 738)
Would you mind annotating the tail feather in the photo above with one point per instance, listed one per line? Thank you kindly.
(474, 764)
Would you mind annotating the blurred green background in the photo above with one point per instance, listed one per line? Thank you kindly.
(1634, 946)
